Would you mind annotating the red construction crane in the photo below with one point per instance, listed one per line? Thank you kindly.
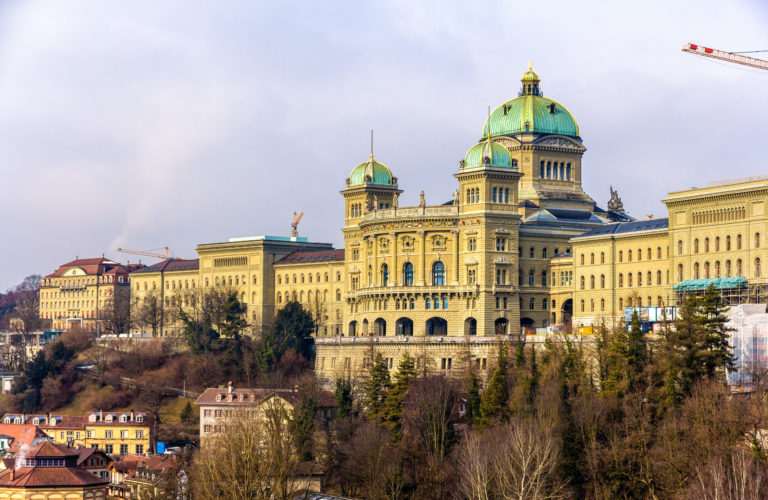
(148, 254)
(721, 55)
(295, 223)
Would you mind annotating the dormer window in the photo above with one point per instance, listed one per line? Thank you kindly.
(7, 420)
(552, 110)
(123, 418)
(229, 397)
(252, 398)
(139, 418)
(93, 417)
(36, 421)
(17, 420)
(218, 397)
(109, 418)
(240, 398)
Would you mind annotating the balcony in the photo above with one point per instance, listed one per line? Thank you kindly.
(72, 286)
(375, 291)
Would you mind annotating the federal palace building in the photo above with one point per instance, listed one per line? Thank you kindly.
(517, 248)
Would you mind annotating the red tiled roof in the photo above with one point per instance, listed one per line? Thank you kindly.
(21, 434)
(312, 257)
(325, 399)
(85, 453)
(66, 422)
(94, 266)
(38, 477)
(47, 449)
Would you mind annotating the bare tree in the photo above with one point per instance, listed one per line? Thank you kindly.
(148, 312)
(116, 314)
(736, 476)
(254, 459)
(27, 311)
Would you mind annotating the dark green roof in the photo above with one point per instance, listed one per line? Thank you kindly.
(370, 172)
(497, 155)
(531, 113)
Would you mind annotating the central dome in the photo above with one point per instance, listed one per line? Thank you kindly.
(530, 112)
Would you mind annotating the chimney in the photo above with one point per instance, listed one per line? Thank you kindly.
(229, 387)
(132, 414)
(13, 473)
(101, 415)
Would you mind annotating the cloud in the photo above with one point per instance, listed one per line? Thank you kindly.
(143, 124)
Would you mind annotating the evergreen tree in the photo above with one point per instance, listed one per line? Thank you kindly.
(344, 401)
(393, 406)
(636, 352)
(188, 413)
(302, 427)
(684, 350)
(717, 352)
(292, 329)
(495, 398)
(376, 387)
(473, 400)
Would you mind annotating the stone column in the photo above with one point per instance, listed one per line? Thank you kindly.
(455, 279)
(394, 273)
(422, 257)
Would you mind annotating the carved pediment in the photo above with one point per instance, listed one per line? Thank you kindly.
(470, 262)
(560, 142)
(501, 231)
(507, 142)
(501, 260)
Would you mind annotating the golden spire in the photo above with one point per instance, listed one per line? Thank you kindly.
(488, 137)
(371, 146)
(530, 65)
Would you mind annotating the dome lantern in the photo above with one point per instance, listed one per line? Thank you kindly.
(530, 82)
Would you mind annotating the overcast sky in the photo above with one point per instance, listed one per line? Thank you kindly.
(145, 124)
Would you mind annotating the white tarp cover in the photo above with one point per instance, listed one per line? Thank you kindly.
(749, 341)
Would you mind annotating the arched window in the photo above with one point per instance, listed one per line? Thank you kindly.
(717, 244)
(629, 255)
(568, 171)
(629, 279)
(602, 281)
(679, 247)
(427, 303)
(582, 259)
(706, 270)
(592, 258)
(739, 268)
(696, 271)
(639, 279)
(658, 252)
(658, 277)
(408, 274)
(727, 268)
(621, 303)
(738, 242)
(591, 305)
(279, 298)
(531, 278)
(757, 267)
(583, 281)
(706, 245)
(438, 273)
(648, 280)
(582, 305)
(621, 256)
(639, 254)
(592, 281)
(602, 304)
(384, 274)
(757, 240)
(602, 257)
(541, 169)
(696, 245)
(621, 280)
(338, 295)
(727, 243)
(717, 269)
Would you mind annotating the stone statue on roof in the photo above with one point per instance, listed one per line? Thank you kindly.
(456, 197)
(422, 202)
(615, 204)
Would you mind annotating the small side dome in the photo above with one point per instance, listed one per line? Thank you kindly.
(371, 172)
(487, 154)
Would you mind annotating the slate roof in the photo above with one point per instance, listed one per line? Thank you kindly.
(171, 265)
(309, 257)
(627, 227)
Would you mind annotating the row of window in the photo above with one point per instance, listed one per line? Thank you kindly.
(500, 195)
(554, 170)
(630, 303)
(65, 283)
(720, 215)
(716, 272)
(124, 449)
(532, 252)
(310, 296)
(299, 278)
(356, 210)
(620, 256)
(706, 244)
(620, 280)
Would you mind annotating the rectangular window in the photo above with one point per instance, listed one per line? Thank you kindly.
(139, 449)
(123, 434)
(501, 244)
(471, 276)
(123, 449)
(206, 428)
(108, 449)
(472, 244)
(108, 434)
(494, 195)
(89, 434)
(217, 413)
(501, 276)
(206, 413)
(139, 434)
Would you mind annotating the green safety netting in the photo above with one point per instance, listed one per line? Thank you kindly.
(720, 283)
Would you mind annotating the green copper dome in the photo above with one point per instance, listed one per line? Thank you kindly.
(370, 172)
(531, 112)
(496, 154)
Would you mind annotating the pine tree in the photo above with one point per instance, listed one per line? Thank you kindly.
(344, 400)
(636, 352)
(717, 353)
(495, 398)
(393, 405)
(473, 400)
(376, 386)
(684, 350)
(302, 427)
